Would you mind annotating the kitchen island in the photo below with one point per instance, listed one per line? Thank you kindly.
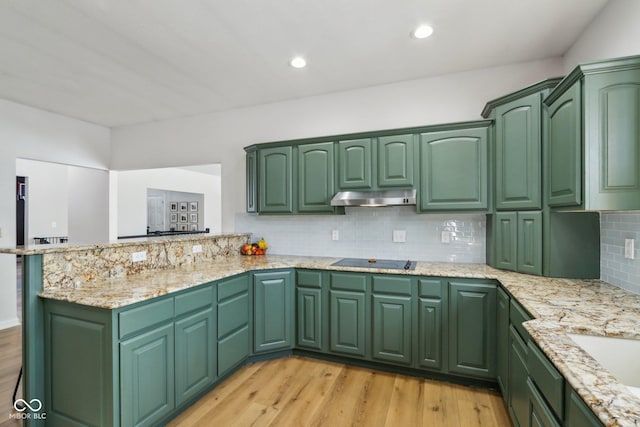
(559, 306)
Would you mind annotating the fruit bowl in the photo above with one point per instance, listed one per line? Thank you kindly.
(257, 248)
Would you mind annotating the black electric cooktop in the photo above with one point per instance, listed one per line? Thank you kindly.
(391, 264)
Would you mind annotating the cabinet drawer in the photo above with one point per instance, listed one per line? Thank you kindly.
(309, 279)
(430, 288)
(194, 300)
(349, 282)
(549, 381)
(232, 286)
(518, 315)
(233, 350)
(539, 412)
(233, 314)
(147, 315)
(392, 285)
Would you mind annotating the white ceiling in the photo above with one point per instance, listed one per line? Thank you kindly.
(120, 62)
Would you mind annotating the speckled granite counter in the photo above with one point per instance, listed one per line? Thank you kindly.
(559, 305)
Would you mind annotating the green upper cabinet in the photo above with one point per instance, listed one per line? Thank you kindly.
(275, 169)
(518, 241)
(564, 149)
(316, 177)
(593, 138)
(453, 170)
(252, 181)
(517, 139)
(354, 164)
(517, 144)
(395, 161)
(273, 311)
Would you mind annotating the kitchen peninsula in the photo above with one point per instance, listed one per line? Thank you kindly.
(94, 321)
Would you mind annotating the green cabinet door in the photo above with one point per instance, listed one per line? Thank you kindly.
(453, 170)
(273, 311)
(234, 344)
(195, 354)
(502, 343)
(472, 328)
(564, 149)
(612, 137)
(392, 328)
(577, 413)
(530, 242)
(518, 154)
(347, 323)
(147, 377)
(275, 170)
(309, 317)
(539, 414)
(506, 240)
(354, 164)
(252, 181)
(518, 400)
(395, 161)
(315, 177)
(430, 326)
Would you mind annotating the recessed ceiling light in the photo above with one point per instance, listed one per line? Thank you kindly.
(422, 32)
(298, 62)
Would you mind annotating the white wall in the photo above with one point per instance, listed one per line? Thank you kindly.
(132, 195)
(88, 205)
(30, 133)
(47, 198)
(615, 32)
(219, 138)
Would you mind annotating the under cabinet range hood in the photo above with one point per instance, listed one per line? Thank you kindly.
(375, 198)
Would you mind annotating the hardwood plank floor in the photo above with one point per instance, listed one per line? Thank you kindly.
(10, 362)
(297, 391)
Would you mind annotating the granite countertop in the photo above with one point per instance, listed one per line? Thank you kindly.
(560, 306)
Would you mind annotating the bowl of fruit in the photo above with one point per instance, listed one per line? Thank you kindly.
(257, 248)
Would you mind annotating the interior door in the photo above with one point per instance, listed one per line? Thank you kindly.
(155, 213)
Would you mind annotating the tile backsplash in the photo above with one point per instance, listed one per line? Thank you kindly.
(614, 267)
(367, 233)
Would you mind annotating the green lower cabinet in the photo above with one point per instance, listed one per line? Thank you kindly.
(195, 354)
(539, 414)
(502, 343)
(430, 351)
(234, 344)
(472, 328)
(273, 311)
(147, 377)
(518, 395)
(309, 318)
(347, 323)
(577, 413)
(392, 328)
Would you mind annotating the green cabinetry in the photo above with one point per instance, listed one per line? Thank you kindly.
(392, 319)
(273, 311)
(453, 170)
(252, 180)
(395, 161)
(275, 180)
(432, 323)
(519, 241)
(354, 164)
(310, 308)
(593, 138)
(233, 322)
(147, 377)
(577, 413)
(472, 328)
(315, 177)
(502, 342)
(349, 314)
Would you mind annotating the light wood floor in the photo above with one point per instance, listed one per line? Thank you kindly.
(10, 361)
(298, 391)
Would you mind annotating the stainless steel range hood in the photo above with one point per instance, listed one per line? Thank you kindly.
(375, 198)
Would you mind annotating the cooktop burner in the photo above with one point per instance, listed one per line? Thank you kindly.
(376, 263)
